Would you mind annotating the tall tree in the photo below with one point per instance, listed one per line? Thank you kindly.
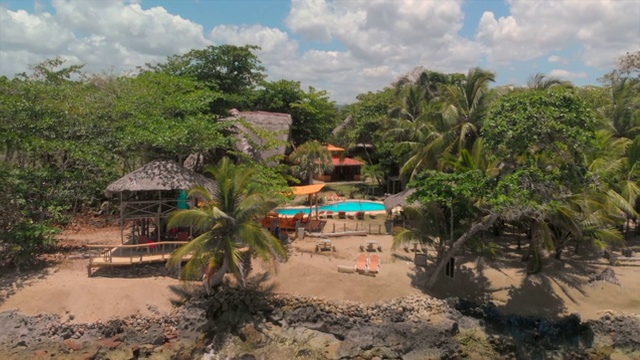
(232, 72)
(311, 158)
(314, 115)
(229, 226)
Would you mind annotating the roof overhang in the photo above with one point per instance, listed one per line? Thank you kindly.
(307, 189)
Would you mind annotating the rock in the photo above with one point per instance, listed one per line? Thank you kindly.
(73, 345)
(110, 343)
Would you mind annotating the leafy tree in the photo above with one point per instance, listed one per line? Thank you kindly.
(232, 72)
(556, 122)
(311, 158)
(314, 115)
(229, 226)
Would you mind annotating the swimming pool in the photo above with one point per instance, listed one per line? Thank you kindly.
(347, 206)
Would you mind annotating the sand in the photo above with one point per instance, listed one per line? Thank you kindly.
(561, 289)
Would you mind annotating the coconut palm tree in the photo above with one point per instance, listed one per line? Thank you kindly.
(542, 82)
(311, 158)
(228, 224)
(465, 107)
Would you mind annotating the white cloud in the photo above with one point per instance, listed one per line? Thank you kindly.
(534, 28)
(558, 59)
(104, 35)
(568, 75)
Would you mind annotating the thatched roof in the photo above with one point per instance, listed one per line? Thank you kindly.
(278, 124)
(160, 175)
(399, 199)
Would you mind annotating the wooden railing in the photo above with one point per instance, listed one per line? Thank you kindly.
(119, 254)
(151, 208)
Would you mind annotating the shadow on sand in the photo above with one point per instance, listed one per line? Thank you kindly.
(536, 295)
(11, 281)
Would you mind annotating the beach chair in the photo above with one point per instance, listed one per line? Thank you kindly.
(322, 214)
(329, 214)
(342, 215)
(373, 216)
(360, 215)
(374, 264)
(350, 216)
(361, 263)
(336, 197)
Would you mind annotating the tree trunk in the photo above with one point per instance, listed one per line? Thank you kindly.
(211, 281)
(534, 262)
(483, 225)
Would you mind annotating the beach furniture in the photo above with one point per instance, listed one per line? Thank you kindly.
(374, 263)
(330, 214)
(361, 263)
(322, 214)
(360, 215)
(342, 215)
(373, 216)
(350, 216)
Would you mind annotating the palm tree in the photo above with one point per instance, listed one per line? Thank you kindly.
(228, 224)
(311, 158)
(465, 107)
(542, 82)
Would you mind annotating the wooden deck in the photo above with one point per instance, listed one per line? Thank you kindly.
(122, 255)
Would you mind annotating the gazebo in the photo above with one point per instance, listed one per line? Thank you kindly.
(155, 177)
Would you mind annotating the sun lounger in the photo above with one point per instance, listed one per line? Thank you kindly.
(374, 263)
(361, 263)
(342, 215)
(321, 214)
(360, 215)
(373, 216)
(350, 216)
(330, 214)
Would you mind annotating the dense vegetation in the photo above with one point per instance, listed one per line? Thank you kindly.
(558, 161)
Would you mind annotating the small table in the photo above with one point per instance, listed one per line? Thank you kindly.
(371, 245)
(324, 244)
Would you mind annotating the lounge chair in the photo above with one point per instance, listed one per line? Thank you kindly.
(350, 216)
(361, 263)
(373, 216)
(330, 214)
(360, 215)
(322, 214)
(374, 264)
(342, 215)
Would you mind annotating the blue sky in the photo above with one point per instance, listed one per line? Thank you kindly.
(343, 46)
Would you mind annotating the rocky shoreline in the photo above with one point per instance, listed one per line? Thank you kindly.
(251, 324)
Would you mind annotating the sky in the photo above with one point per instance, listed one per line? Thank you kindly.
(345, 47)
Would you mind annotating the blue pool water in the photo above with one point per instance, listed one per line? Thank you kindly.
(347, 206)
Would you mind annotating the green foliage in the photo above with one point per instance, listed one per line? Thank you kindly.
(314, 115)
(447, 188)
(20, 236)
(529, 123)
(230, 71)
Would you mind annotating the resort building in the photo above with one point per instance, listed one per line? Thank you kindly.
(344, 168)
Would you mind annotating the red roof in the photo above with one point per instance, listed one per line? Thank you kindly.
(346, 162)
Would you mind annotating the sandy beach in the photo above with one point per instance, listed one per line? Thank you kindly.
(563, 287)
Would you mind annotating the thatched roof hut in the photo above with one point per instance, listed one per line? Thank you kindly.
(399, 199)
(278, 124)
(159, 176)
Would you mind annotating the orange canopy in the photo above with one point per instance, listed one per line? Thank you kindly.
(307, 189)
(334, 148)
